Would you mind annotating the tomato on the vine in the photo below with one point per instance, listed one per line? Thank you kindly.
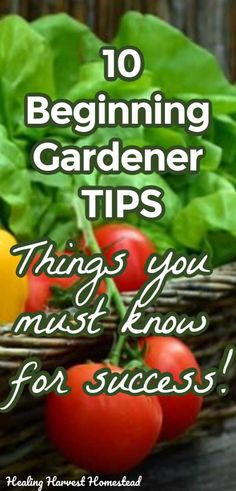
(40, 288)
(169, 354)
(116, 236)
(102, 433)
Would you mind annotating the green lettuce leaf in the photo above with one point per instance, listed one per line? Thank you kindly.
(25, 66)
(15, 190)
(72, 44)
(212, 213)
(179, 66)
(58, 56)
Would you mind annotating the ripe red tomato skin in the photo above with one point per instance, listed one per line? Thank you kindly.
(40, 288)
(169, 354)
(113, 237)
(102, 434)
(39, 293)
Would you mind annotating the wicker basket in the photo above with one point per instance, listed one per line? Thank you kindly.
(23, 445)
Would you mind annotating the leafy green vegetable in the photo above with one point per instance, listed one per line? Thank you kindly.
(203, 215)
(179, 66)
(58, 56)
(25, 66)
(72, 44)
(171, 200)
(15, 192)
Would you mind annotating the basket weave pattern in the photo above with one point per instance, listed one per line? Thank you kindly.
(23, 445)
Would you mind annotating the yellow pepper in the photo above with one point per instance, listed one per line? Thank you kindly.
(13, 290)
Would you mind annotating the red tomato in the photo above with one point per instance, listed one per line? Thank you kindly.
(39, 292)
(169, 354)
(116, 236)
(40, 288)
(102, 434)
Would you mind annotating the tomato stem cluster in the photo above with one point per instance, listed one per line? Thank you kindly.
(114, 293)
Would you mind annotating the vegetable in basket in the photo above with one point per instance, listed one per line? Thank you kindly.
(112, 433)
(40, 288)
(114, 237)
(169, 354)
(13, 289)
(45, 291)
(102, 434)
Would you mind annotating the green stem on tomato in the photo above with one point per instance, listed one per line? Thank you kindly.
(85, 225)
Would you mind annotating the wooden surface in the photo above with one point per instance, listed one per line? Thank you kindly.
(211, 23)
(207, 464)
(204, 465)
